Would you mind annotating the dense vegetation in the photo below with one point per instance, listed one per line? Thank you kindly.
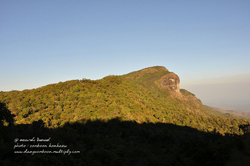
(138, 99)
(129, 118)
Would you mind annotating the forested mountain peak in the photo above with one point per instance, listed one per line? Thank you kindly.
(158, 77)
(150, 71)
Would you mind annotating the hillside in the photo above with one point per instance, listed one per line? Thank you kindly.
(148, 95)
(140, 118)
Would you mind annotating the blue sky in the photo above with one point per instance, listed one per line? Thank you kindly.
(43, 42)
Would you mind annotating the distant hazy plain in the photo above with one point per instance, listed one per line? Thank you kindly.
(231, 94)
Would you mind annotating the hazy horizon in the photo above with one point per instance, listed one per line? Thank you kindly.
(227, 96)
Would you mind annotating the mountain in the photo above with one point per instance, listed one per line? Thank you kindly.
(140, 118)
(148, 95)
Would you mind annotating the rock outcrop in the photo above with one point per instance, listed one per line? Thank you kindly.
(170, 81)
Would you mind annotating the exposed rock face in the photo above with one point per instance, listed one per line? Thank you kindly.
(171, 81)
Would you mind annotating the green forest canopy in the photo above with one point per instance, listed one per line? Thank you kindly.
(135, 97)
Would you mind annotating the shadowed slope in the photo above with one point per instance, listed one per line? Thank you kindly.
(117, 142)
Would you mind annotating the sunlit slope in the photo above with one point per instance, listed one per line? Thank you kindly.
(148, 95)
(158, 80)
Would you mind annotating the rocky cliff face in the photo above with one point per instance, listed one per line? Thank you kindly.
(170, 81)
